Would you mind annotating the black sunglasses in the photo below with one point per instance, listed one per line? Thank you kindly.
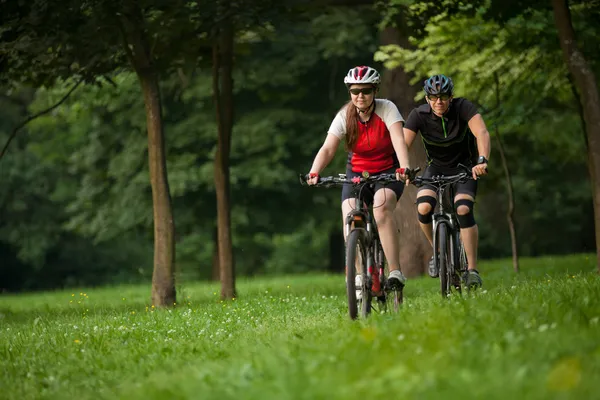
(434, 97)
(364, 91)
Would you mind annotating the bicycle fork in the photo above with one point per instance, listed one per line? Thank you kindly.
(445, 219)
(374, 260)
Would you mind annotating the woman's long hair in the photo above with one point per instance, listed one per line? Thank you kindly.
(351, 125)
(352, 121)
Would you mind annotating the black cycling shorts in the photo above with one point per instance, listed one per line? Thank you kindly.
(367, 193)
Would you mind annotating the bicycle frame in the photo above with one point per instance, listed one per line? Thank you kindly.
(449, 219)
(444, 187)
(361, 218)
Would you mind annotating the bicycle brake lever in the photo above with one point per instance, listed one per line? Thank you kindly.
(302, 179)
(413, 173)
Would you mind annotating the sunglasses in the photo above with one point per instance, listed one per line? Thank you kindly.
(365, 91)
(443, 97)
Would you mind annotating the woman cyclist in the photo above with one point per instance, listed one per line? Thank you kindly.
(372, 132)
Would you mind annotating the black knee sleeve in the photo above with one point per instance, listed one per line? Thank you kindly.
(426, 218)
(467, 220)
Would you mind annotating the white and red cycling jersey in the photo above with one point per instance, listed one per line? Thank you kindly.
(373, 151)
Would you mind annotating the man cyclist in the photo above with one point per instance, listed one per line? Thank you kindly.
(453, 133)
(372, 131)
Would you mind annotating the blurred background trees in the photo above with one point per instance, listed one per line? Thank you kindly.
(76, 202)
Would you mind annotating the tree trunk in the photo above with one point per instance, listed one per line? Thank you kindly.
(135, 44)
(223, 100)
(163, 276)
(590, 100)
(511, 198)
(415, 250)
(511, 204)
(216, 270)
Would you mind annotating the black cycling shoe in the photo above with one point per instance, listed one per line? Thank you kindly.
(472, 279)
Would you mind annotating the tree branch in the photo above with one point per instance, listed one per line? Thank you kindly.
(107, 79)
(39, 114)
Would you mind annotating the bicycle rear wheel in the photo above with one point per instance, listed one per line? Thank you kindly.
(391, 295)
(359, 298)
(443, 259)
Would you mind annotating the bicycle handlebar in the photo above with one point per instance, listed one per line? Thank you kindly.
(342, 179)
(440, 180)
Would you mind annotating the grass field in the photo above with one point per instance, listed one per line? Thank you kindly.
(531, 336)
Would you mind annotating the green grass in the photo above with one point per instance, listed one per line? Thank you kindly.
(531, 336)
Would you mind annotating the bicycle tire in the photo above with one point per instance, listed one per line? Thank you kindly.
(462, 256)
(462, 263)
(381, 268)
(355, 249)
(443, 259)
(393, 295)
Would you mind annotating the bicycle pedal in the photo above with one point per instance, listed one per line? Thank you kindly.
(393, 286)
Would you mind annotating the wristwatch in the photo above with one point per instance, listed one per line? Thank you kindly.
(482, 160)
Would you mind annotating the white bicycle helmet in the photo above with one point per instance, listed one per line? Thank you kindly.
(362, 74)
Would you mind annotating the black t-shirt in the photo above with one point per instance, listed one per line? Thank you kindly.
(448, 142)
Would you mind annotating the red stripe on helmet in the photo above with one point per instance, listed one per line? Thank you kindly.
(359, 72)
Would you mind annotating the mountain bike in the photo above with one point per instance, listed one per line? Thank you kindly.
(364, 254)
(449, 253)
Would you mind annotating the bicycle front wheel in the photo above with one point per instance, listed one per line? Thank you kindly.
(357, 290)
(443, 259)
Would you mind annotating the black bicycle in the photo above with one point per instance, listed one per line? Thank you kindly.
(364, 253)
(449, 252)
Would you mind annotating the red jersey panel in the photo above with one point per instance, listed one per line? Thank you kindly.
(373, 151)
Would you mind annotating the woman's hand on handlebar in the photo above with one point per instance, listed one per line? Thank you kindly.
(406, 174)
(313, 178)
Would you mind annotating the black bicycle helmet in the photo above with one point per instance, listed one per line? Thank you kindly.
(438, 84)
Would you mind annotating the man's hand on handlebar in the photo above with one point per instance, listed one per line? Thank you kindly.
(479, 170)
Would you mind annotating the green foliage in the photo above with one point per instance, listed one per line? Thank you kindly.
(96, 145)
(36, 189)
(42, 41)
(484, 53)
(531, 336)
(513, 69)
(412, 16)
(76, 200)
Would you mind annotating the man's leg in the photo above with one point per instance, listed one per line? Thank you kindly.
(469, 233)
(468, 228)
(426, 200)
